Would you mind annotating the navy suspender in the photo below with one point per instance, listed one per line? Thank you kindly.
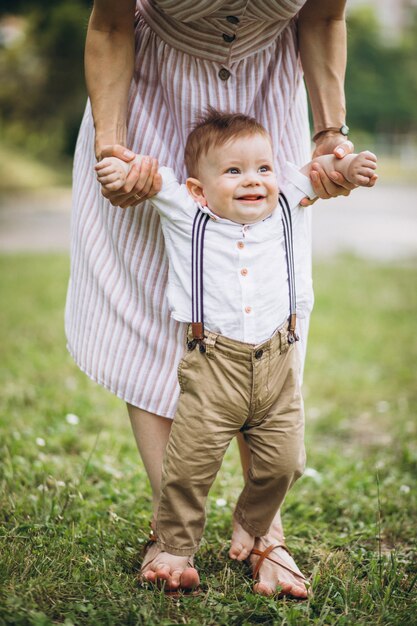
(197, 249)
(289, 253)
(197, 254)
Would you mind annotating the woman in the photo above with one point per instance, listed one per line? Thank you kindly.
(239, 55)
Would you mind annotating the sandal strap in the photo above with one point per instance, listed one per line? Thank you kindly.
(264, 554)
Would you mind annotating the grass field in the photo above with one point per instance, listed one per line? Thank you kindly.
(75, 504)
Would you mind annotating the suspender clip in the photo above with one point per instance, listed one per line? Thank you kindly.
(292, 335)
(191, 344)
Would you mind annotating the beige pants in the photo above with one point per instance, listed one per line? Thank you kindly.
(232, 387)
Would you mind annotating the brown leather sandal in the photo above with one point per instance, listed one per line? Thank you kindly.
(172, 593)
(265, 554)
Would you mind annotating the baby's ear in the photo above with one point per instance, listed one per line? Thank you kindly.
(196, 191)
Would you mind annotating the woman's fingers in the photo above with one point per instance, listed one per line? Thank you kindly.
(142, 182)
(116, 150)
(329, 143)
(341, 183)
(149, 181)
(114, 197)
(324, 186)
(344, 148)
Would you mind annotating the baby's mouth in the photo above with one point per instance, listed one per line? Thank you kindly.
(251, 197)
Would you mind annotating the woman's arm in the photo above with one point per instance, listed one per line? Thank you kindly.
(322, 44)
(109, 59)
(109, 64)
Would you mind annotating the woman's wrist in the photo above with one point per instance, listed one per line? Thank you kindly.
(328, 141)
(343, 130)
(109, 137)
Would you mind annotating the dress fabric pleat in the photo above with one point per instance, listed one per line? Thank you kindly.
(118, 325)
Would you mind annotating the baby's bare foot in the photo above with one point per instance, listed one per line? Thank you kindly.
(242, 543)
(174, 570)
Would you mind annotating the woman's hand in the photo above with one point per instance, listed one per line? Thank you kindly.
(142, 182)
(335, 184)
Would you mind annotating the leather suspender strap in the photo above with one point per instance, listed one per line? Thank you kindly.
(197, 257)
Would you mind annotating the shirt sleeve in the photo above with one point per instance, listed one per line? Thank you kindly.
(296, 186)
(173, 200)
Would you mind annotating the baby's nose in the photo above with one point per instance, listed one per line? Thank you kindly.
(252, 178)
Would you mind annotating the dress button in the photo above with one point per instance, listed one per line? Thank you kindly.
(258, 354)
(232, 19)
(224, 74)
(248, 309)
(229, 38)
(240, 245)
(244, 271)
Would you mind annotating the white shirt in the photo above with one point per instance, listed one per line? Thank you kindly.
(245, 269)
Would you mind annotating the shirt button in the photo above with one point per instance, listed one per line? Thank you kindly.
(244, 271)
(232, 19)
(258, 354)
(240, 245)
(229, 38)
(224, 74)
(248, 309)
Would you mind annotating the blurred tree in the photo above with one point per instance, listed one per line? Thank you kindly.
(17, 7)
(42, 92)
(381, 79)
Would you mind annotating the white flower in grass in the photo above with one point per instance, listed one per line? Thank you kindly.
(40, 442)
(313, 413)
(221, 502)
(109, 469)
(382, 406)
(42, 488)
(405, 489)
(310, 472)
(72, 419)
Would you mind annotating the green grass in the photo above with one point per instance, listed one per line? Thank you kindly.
(74, 512)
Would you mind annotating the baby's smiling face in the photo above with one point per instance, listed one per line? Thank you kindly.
(237, 180)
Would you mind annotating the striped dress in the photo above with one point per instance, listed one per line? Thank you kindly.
(236, 55)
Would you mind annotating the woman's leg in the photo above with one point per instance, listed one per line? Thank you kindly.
(270, 573)
(151, 433)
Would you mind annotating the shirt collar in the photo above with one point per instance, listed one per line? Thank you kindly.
(224, 220)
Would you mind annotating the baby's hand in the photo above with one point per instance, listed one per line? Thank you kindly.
(112, 172)
(361, 169)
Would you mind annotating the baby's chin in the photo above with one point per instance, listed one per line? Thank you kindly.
(248, 217)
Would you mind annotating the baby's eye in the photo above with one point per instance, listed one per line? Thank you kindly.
(264, 168)
(233, 170)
